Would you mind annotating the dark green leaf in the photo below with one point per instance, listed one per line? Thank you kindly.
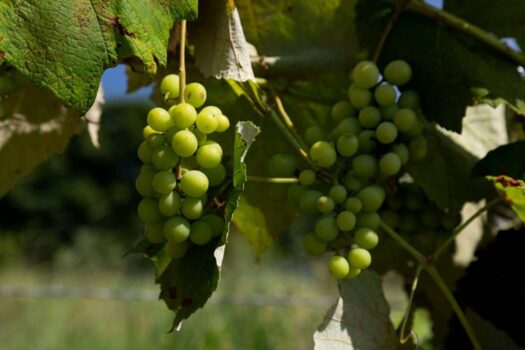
(489, 336)
(505, 160)
(512, 191)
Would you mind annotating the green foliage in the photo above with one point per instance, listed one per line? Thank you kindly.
(512, 192)
(505, 160)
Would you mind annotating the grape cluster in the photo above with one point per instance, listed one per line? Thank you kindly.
(180, 166)
(378, 129)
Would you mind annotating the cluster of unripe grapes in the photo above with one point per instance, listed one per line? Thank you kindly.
(378, 129)
(180, 166)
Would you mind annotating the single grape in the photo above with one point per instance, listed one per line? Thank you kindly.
(201, 137)
(365, 166)
(176, 250)
(223, 123)
(194, 183)
(398, 72)
(417, 129)
(216, 224)
(308, 201)
(372, 198)
(184, 143)
(352, 183)
(326, 229)
(354, 205)
(170, 133)
(347, 145)
(209, 155)
(183, 115)
(325, 204)
(294, 193)
(359, 258)
(143, 183)
(192, 208)
(176, 229)
(389, 111)
(342, 110)
(402, 152)
(200, 232)
(144, 152)
(353, 273)
(156, 140)
(154, 232)
(409, 99)
(390, 217)
(405, 119)
(371, 220)
(345, 220)
(215, 175)
(169, 203)
(390, 164)
(313, 245)
(386, 132)
(347, 126)
(369, 117)
(418, 148)
(365, 74)
(359, 97)
(385, 94)
(366, 238)
(195, 94)
(164, 182)
(169, 87)
(164, 158)
(214, 110)
(147, 131)
(207, 123)
(367, 143)
(337, 193)
(307, 177)
(323, 154)
(314, 134)
(282, 165)
(148, 211)
(159, 119)
(338, 267)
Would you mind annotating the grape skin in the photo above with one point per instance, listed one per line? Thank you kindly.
(176, 250)
(385, 94)
(347, 145)
(386, 132)
(184, 143)
(369, 117)
(338, 267)
(390, 164)
(365, 166)
(359, 97)
(159, 119)
(342, 110)
(366, 238)
(209, 155)
(323, 154)
(346, 220)
(365, 74)
(398, 72)
(359, 258)
(195, 94)
(176, 229)
(148, 211)
(326, 229)
(194, 183)
(200, 232)
(183, 115)
(313, 245)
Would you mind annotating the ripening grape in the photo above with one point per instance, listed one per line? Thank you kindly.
(385, 94)
(192, 208)
(347, 145)
(147, 131)
(183, 115)
(372, 198)
(155, 140)
(365, 74)
(359, 97)
(223, 123)
(402, 152)
(176, 250)
(184, 143)
(359, 258)
(338, 267)
(164, 182)
(176, 229)
(144, 152)
(323, 154)
(365, 166)
(353, 204)
(194, 183)
(353, 273)
(353, 183)
(169, 203)
(314, 134)
(342, 110)
(195, 94)
(159, 119)
(325, 204)
(148, 211)
(313, 245)
(209, 155)
(337, 193)
(389, 111)
(345, 220)
(386, 132)
(326, 229)
(398, 72)
(169, 86)
(206, 122)
(163, 158)
(200, 232)
(405, 119)
(307, 177)
(143, 182)
(418, 148)
(347, 126)
(409, 99)
(154, 232)
(366, 238)
(215, 175)
(390, 164)
(370, 219)
(369, 117)
(282, 165)
(295, 191)
(367, 143)
(216, 224)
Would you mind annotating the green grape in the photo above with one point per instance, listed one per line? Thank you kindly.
(418, 148)
(164, 182)
(194, 183)
(148, 210)
(338, 267)
(342, 110)
(431, 218)
(367, 143)
(295, 191)
(308, 201)
(215, 175)
(409, 99)
(195, 94)
(223, 123)
(183, 115)
(325, 204)
(201, 137)
(416, 130)
(163, 158)
(347, 126)
(156, 140)
(345, 220)
(389, 111)
(369, 117)
(390, 164)
(176, 229)
(176, 250)
(209, 155)
(200, 232)
(354, 205)
(385, 94)
(359, 97)
(405, 119)
(326, 229)
(398, 72)
(143, 183)
(352, 183)
(206, 122)
(314, 134)
(307, 177)
(169, 86)
(371, 220)
(169, 203)
(359, 258)
(365, 166)
(313, 245)
(184, 143)
(282, 165)
(147, 131)
(347, 145)
(353, 273)
(386, 132)
(337, 193)
(390, 217)
(170, 133)
(402, 152)
(450, 221)
(366, 238)
(365, 74)
(214, 110)
(409, 223)
(216, 224)
(159, 119)
(372, 198)
(192, 208)
(144, 152)
(323, 154)
(154, 232)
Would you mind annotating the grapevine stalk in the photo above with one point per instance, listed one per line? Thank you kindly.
(273, 180)
(400, 6)
(182, 61)
(413, 289)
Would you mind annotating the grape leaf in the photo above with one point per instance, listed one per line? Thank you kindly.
(512, 191)
(359, 319)
(65, 45)
(449, 67)
(505, 160)
(489, 336)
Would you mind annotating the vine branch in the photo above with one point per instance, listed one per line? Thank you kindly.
(400, 6)
(182, 61)
(413, 289)
(273, 180)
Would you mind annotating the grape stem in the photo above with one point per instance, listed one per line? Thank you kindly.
(182, 61)
(400, 6)
(273, 180)
(403, 339)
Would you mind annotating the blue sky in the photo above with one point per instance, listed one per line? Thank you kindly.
(114, 82)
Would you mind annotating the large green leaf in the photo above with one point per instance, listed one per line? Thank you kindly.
(450, 68)
(489, 336)
(65, 45)
(512, 192)
(505, 160)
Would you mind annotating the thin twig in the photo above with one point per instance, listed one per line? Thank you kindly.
(182, 61)
(400, 6)
(413, 289)
(273, 180)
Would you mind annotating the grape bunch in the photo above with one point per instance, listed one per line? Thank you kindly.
(378, 129)
(180, 166)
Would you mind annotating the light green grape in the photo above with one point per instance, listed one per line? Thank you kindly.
(405, 119)
(390, 164)
(143, 183)
(308, 201)
(369, 117)
(223, 123)
(148, 211)
(169, 87)
(215, 175)
(365, 166)
(282, 165)
(418, 148)
(200, 232)
(147, 131)
(346, 220)
(155, 140)
(214, 110)
(216, 224)
(323, 154)
(184, 143)
(192, 208)
(206, 122)
(325, 204)
(347, 145)
(201, 137)
(194, 183)
(359, 258)
(385, 94)
(409, 99)
(386, 132)
(365, 74)
(313, 245)
(183, 115)
(337, 193)
(352, 183)
(176, 250)
(372, 198)
(164, 158)
(354, 205)
(195, 94)
(170, 133)
(365, 219)
(402, 152)
(389, 111)
(154, 232)
(353, 273)
(169, 203)
(338, 267)
(347, 126)
(145, 152)
(342, 110)
(398, 72)
(326, 229)
(359, 97)
(367, 143)
(176, 229)
(307, 177)
(164, 182)
(366, 238)
(314, 134)
(209, 155)
(159, 119)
